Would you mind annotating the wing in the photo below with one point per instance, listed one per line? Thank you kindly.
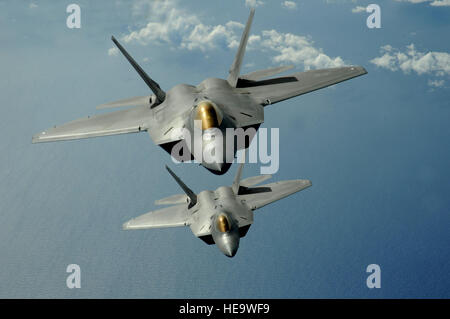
(132, 101)
(132, 120)
(278, 89)
(260, 74)
(172, 200)
(119, 122)
(257, 197)
(254, 180)
(172, 216)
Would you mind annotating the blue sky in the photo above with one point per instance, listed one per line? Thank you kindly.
(375, 148)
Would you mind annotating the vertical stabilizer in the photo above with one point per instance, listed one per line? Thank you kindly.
(236, 66)
(192, 196)
(160, 94)
(237, 179)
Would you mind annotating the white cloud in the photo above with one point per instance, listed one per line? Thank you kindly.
(168, 23)
(437, 63)
(172, 25)
(413, 1)
(340, 1)
(433, 63)
(386, 48)
(32, 5)
(253, 39)
(206, 37)
(440, 3)
(436, 83)
(297, 49)
(253, 3)
(358, 9)
(291, 5)
(113, 51)
(434, 3)
(386, 61)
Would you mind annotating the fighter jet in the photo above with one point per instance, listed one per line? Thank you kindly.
(211, 108)
(218, 217)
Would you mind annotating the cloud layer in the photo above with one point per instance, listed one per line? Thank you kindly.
(433, 63)
(358, 9)
(434, 3)
(168, 23)
(437, 63)
(290, 5)
(291, 48)
(253, 3)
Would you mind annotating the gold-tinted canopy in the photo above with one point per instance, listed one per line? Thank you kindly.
(207, 113)
(222, 224)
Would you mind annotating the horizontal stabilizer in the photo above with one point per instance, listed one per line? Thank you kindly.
(132, 101)
(172, 200)
(261, 74)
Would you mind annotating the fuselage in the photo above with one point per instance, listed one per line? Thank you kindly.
(210, 115)
(220, 218)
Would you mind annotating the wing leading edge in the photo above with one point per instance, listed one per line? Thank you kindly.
(172, 216)
(257, 197)
(282, 88)
(119, 122)
(132, 120)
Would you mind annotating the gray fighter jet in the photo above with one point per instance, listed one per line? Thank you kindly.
(214, 106)
(218, 217)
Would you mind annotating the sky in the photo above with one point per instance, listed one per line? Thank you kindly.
(375, 148)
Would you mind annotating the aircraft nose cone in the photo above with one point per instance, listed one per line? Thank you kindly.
(230, 252)
(218, 168)
(230, 248)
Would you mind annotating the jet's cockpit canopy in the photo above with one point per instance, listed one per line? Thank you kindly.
(223, 225)
(209, 115)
